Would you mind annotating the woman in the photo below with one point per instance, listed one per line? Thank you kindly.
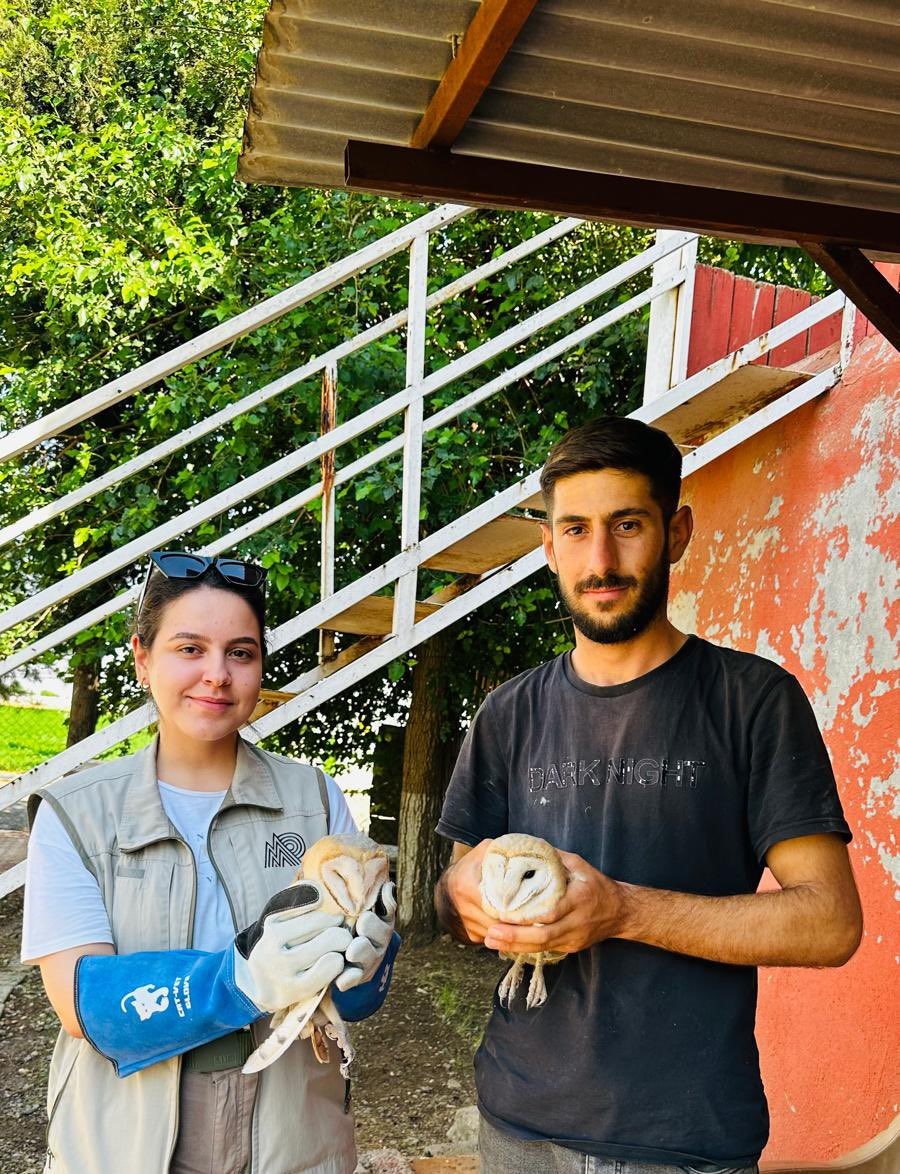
(140, 871)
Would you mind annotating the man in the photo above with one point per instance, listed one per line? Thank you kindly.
(668, 771)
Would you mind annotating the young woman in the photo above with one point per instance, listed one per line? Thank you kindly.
(141, 870)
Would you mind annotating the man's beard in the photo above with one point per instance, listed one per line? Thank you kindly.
(595, 626)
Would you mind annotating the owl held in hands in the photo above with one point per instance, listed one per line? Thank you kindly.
(522, 879)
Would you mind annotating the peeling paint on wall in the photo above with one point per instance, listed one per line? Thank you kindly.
(801, 564)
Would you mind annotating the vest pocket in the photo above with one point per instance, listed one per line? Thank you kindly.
(141, 910)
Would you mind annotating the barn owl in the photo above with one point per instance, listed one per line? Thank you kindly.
(522, 878)
(350, 870)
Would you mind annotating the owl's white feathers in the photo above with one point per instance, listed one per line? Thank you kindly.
(350, 869)
(522, 880)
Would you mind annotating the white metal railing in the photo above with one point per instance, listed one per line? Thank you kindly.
(307, 454)
(671, 262)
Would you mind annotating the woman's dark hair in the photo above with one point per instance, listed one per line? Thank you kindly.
(161, 591)
(617, 442)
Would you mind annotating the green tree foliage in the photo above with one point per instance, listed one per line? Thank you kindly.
(123, 233)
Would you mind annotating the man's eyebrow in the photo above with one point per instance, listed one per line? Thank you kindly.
(629, 512)
(197, 636)
(636, 511)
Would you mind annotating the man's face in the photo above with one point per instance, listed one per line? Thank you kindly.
(611, 551)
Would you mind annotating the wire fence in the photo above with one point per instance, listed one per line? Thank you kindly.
(28, 735)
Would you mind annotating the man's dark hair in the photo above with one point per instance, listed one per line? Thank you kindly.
(617, 442)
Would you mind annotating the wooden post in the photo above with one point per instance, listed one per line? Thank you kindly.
(670, 321)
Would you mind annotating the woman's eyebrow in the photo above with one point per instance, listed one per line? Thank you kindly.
(197, 636)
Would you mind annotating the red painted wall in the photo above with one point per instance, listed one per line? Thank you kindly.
(796, 557)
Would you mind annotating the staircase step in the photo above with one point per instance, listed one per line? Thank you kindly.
(269, 699)
(501, 541)
(727, 402)
(373, 616)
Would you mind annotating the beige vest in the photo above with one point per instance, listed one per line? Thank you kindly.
(99, 1123)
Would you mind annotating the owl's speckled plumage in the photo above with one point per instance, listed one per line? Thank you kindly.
(522, 879)
(350, 869)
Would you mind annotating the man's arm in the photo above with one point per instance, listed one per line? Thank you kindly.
(814, 919)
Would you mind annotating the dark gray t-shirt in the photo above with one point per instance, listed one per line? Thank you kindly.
(682, 779)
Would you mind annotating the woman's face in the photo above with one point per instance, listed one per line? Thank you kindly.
(205, 665)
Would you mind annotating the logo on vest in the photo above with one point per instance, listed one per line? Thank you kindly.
(284, 850)
(146, 1000)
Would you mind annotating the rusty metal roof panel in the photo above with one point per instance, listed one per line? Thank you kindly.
(778, 97)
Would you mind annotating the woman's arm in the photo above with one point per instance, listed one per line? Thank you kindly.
(58, 975)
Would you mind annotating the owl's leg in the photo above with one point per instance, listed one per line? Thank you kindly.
(336, 1029)
(537, 988)
(319, 1041)
(510, 984)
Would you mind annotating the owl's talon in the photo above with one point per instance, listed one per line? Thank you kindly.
(510, 984)
(537, 988)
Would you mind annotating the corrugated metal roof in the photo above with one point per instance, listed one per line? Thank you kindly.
(776, 97)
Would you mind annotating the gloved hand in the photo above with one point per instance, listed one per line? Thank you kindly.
(292, 951)
(138, 1009)
(366, 951)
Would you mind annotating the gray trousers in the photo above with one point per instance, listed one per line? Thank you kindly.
(214, 1122)
(502, 1154)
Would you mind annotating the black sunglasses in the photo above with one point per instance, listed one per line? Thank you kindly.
(180, 564)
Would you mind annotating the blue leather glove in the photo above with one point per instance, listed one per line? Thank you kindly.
(138, 1009)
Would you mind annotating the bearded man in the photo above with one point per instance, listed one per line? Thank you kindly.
(669, 771)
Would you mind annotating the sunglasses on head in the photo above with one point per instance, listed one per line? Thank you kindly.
(181, 564)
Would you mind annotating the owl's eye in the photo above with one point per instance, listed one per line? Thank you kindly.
(528, 875)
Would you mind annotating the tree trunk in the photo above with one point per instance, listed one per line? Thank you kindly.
(85, 707)
(427, 764)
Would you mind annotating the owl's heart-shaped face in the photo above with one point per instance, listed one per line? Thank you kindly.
(351, 870)
(354, 884)
(521, 881)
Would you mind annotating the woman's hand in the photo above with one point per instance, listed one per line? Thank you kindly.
(373, 931)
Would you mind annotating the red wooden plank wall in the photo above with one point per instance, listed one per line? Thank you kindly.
(730, 311)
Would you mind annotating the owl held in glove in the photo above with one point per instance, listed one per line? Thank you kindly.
(351, 871)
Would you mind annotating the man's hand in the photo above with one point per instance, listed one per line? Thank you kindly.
(457, 896)
(591, 910)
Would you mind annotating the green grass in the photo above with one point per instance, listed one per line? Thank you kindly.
(28, 736)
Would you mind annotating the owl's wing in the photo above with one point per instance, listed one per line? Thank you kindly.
(290, 1023)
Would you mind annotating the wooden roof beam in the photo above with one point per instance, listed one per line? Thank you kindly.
(486, 42)
(864, 285)
(497, 183)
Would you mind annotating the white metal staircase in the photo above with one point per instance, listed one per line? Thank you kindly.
(490, 548)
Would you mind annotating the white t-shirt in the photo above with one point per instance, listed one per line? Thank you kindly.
(63, 904)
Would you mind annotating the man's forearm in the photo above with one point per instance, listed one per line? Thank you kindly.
(814, 919)
(447, 912)
(800, 926)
